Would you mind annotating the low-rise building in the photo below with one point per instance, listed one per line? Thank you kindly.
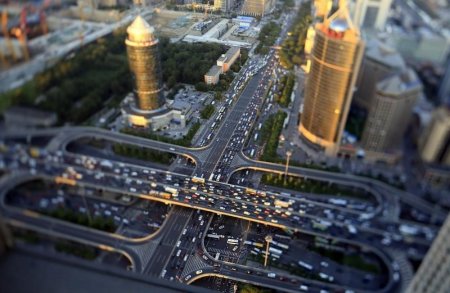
(212, 76)
(226, 60)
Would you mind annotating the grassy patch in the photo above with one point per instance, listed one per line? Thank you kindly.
(140, 153)
(98, 223)
(313, 186)
(269, 135)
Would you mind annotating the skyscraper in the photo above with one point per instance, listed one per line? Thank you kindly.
(434, 142)
(143, 57)
(370, 14)
(335, 61)
(389, 115)
(380, 61)
(432, 276)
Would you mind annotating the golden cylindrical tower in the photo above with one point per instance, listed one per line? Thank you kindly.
(335, 61)
(144, 61)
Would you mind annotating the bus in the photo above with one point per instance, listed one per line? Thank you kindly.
(321, 225)
(196, 179)
(305, 265)
(282, 236)
(172, 190)
(233, 241)
(275, 251)
(213, 125)
(214, 236)
(281, 245)
(338, 201)
(257, 244)
(250, 191)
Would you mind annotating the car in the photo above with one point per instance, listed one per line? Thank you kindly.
(198, 272)
(187, 277)
(271, 275)
(303, 287)
(324, 264)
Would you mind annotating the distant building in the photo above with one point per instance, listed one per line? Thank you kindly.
(226, 60)
(370, 14)
(444, 88)
(322, 8)
(432, 275)
(148, 107)
(23, 117)
(421, 45)
(143, 56)
(257, 7)
(6, 239)
(380, 60)
(244, 22)
(212, 76)
(389, 114)
(434, 142)
(223, 5)
(335, 61)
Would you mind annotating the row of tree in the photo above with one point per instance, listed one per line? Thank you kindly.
(269, 33)
(283, 97)
(270, 132)
(292, 48)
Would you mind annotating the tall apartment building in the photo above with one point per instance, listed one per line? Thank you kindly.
(144, 61)
(434, 142)
(257, 7)
(433, 274)
(389, 114)
(379, 61)
(335, 61)
(370, 14)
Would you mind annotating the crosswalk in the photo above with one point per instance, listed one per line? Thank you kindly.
(145, 252)
(193, 264)
(405, 267)
(222, 252)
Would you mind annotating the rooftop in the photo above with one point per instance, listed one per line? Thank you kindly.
(140, 30)
(214, 70)
(399, 83)
(384, 54)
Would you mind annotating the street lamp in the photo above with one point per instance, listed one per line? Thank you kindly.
(288, 156)
(268, 240)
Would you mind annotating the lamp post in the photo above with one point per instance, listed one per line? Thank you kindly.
(288, 157)
(268, 240)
